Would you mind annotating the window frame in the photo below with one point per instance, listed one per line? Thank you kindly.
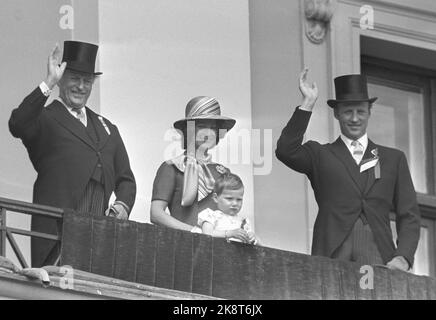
(412, 77)
(396, 74)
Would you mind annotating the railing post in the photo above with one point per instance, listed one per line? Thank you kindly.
(3, 232)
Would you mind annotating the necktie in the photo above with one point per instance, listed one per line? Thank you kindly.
(357, 151)
(80, 115)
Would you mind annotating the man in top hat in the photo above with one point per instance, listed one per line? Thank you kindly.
(356, 182)
(79, 155)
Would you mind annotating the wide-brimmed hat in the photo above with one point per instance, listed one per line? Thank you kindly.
(204, 108)
(351, 88)
(80, 56)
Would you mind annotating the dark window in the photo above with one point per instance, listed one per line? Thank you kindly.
(404, 117)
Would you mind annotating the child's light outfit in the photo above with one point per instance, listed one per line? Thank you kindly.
(221, 221)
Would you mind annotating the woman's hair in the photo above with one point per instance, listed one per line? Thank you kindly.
(227, 181)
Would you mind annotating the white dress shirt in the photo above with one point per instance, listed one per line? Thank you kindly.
(363, 140)
(46, 91)
(84, 120)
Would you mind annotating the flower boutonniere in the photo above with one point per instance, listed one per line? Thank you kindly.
(221, 169)
(372, 162)
(103, 123)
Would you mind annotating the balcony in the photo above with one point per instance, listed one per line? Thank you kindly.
(167, 263)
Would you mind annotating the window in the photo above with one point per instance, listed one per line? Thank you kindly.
(404, 118)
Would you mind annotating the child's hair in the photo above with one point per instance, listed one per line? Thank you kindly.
(227, 181)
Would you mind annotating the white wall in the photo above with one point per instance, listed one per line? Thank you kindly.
(158, 54)
(281, 207)
(29, 30)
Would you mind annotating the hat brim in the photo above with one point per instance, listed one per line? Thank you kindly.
(221, 121)
(83, 71)
(333, 103)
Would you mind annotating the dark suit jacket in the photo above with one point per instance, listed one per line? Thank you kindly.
(343, 193)
(65, 157)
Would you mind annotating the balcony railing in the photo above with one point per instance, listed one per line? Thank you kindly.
(7, 233)
(194, 263)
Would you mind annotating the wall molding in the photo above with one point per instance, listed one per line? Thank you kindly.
(318, 15)
(396, 9)
(398, 31)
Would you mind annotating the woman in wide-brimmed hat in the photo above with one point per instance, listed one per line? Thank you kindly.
(185, 184)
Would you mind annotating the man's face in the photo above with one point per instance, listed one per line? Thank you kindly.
(353, 118)
(229, 201)
(75, 88)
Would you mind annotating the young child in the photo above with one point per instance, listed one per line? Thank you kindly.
(225, 223)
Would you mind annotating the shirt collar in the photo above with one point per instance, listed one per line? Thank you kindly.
(69, 108)
(363, 140)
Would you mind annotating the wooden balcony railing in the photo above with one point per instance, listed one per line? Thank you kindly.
(194, 263)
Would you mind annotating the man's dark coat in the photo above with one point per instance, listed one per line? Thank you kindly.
(343, 193)
(65, 157)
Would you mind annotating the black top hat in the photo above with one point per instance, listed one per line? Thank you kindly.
(80, 56)
(350, 88)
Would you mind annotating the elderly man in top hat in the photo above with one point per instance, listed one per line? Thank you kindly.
(356, 182)
(79, 155)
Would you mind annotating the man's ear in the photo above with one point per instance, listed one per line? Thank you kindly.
(335, 113)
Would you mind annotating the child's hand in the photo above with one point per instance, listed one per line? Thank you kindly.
(252, 238)
(240, 234)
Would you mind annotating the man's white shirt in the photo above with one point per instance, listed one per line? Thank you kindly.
(363, 140)
(46, 91)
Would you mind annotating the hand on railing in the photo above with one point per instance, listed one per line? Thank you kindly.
(398, 263)
(32, 273)
(117, 210)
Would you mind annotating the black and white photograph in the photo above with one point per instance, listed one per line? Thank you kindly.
(200, 152)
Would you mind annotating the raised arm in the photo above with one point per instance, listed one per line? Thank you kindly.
(290, 150)
(24, 122)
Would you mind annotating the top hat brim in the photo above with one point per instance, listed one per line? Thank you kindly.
(84, 71)
(333, 103)
(221, 121)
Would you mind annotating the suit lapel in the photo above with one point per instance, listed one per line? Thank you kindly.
(101, 132)
(65, 119)
(340, 150)
(371, 172)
